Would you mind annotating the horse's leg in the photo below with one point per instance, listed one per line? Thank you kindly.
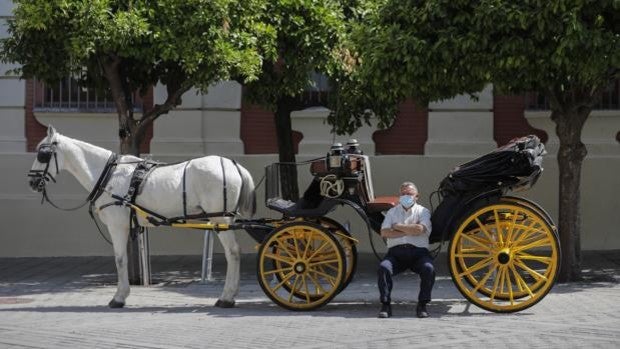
(233, 269)
(119, 235)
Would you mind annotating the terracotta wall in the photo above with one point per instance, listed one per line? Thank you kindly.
(258, 131)
(408, 133)
(509, 121)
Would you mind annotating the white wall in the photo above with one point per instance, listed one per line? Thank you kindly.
(210, 125)
(29, 229)
(12, 97)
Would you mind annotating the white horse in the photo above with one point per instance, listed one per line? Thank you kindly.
(162, 193)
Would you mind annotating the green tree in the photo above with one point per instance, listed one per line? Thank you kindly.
(309, 37)
(126, 46)
(567, 50)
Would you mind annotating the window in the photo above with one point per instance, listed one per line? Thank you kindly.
(610, 99)
(68, 96)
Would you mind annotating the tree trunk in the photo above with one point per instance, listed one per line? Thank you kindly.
(569, 125)
(126, 134)
(284, 134)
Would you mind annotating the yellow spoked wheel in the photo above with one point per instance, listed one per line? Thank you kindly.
(504, 257)
(301, 266)
(348, 246)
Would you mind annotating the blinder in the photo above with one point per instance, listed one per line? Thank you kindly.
(44, 155)
(39, 177)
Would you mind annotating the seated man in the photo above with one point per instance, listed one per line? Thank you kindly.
(406, 227)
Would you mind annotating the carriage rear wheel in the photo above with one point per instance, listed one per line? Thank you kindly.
(301, 266)
(504, 257)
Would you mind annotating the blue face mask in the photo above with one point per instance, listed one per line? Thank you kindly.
(407, 201)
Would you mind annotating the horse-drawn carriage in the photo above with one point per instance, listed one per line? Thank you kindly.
(503, 250)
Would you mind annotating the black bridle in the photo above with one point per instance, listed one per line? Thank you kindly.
(39, 178)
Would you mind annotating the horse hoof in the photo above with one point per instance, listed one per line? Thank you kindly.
(224, 304)
(115, 305)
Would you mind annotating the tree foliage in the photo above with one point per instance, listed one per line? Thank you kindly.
(129, 45)
(567, 50)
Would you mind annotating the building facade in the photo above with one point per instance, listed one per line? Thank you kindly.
(422, 145)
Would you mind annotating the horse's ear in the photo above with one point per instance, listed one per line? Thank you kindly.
(50, 131)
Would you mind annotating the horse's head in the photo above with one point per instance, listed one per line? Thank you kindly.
(47, 158)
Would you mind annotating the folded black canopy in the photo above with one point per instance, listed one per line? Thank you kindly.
(517, 165)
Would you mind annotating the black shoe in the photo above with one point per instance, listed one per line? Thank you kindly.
(386, 311)
(421, 310)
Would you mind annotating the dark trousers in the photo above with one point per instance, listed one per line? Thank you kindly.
(400, 258)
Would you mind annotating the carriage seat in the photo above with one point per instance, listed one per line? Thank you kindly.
(382, 203)
(291, 209)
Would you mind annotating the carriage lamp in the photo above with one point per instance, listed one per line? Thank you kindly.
(335, 156)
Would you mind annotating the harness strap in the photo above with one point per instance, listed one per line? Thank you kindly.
(184, 190)
(224, 183)
(242, 185)
(108, 169)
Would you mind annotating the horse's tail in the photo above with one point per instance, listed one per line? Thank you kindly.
(247, 199)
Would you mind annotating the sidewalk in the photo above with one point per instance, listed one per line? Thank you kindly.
(61, 303)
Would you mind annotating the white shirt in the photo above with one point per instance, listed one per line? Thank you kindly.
(417, 214)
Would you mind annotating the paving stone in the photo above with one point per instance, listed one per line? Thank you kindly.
(62, 303)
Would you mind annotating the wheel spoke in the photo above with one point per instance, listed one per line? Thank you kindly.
(277, 271)
(285, 250)
(542, 259)
(305, 284)
(531, 271)
(329, 278)
(527, 235)
(509, 286)
(325, 243)
(483, 281)
(284, 280)
(308, 243)
(539, 243)
(472, 255)
(295, 244)
(318, 288)
(483, 263)
(477, 242)
(496, 283)
(512, 226)
(498, 227)
(293, 289)
(521, 282)
(323, 262)
(484, 230)
(501, 280)
(279, 258)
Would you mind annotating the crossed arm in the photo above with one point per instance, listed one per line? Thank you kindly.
(400, 229)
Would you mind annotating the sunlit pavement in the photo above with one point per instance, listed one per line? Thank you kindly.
(62, 302)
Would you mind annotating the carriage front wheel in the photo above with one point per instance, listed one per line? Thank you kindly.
(301, 266)
(504, 257)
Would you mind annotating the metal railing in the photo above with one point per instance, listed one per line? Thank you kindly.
(609, 100)
(69, 95)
